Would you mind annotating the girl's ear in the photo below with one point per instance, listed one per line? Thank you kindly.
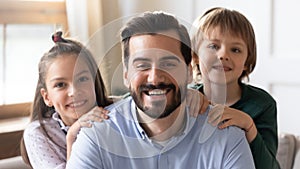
(46, 98)
(245, 67)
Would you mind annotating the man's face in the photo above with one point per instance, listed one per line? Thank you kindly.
(157, 74)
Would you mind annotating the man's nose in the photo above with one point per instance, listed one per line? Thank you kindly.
(156, 75)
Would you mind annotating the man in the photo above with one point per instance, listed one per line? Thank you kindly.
(153, 128)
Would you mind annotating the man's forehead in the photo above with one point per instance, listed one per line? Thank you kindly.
(160, 44)
(167, 34)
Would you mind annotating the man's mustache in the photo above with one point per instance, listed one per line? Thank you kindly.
(162, 86)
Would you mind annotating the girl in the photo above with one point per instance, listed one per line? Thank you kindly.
(69, 95)
(69, 85)
(224, 55)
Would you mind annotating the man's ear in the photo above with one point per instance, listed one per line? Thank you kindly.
(46, 98)
(125, 77)
(190, 74)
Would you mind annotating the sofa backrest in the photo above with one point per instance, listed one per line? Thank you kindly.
(296, 164)
(288, 153)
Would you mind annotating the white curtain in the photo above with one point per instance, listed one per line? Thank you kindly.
(77, 19)
(96, 23)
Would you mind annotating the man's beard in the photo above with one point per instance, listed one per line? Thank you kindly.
(159, 109)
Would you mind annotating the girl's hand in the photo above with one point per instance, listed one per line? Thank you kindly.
(196, 101)
(224, 116)
(97, 114)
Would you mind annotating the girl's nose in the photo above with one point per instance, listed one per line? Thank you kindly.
(72, 91)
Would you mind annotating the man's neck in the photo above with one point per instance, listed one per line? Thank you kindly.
(163, 128)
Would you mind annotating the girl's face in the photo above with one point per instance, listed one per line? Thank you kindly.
(70, 88)
(222, 57)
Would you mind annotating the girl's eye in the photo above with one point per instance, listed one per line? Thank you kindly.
(83, 79)
(60, 85)
(236, 50)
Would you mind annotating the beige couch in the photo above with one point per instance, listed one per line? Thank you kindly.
(288, 153)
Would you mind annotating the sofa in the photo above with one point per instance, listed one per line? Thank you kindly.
(288, 154)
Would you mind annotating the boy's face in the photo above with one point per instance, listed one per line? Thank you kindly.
(70, 88)
(222, 57)
(157, 74)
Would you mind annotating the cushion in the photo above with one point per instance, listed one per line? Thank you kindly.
(13, 163)
(297, 154)
(286, 150)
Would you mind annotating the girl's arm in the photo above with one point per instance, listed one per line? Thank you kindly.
(43, 152)
(97, 114)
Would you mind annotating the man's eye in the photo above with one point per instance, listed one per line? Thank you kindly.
(168, 64)
(142, 66)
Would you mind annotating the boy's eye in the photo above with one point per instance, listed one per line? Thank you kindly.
(213, 46)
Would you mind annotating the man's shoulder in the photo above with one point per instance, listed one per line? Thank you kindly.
(120, 117)
(120, 104)
(209, 133)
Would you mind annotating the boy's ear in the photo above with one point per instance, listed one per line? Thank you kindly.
(195, 58)
(46, 98)
(190, 74)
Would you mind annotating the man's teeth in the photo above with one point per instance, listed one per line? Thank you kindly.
(157, 92)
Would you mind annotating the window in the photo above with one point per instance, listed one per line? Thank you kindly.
(25, 35)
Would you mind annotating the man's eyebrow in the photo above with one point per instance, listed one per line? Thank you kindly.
(171, 57)
(164, 58)
(140, 59)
